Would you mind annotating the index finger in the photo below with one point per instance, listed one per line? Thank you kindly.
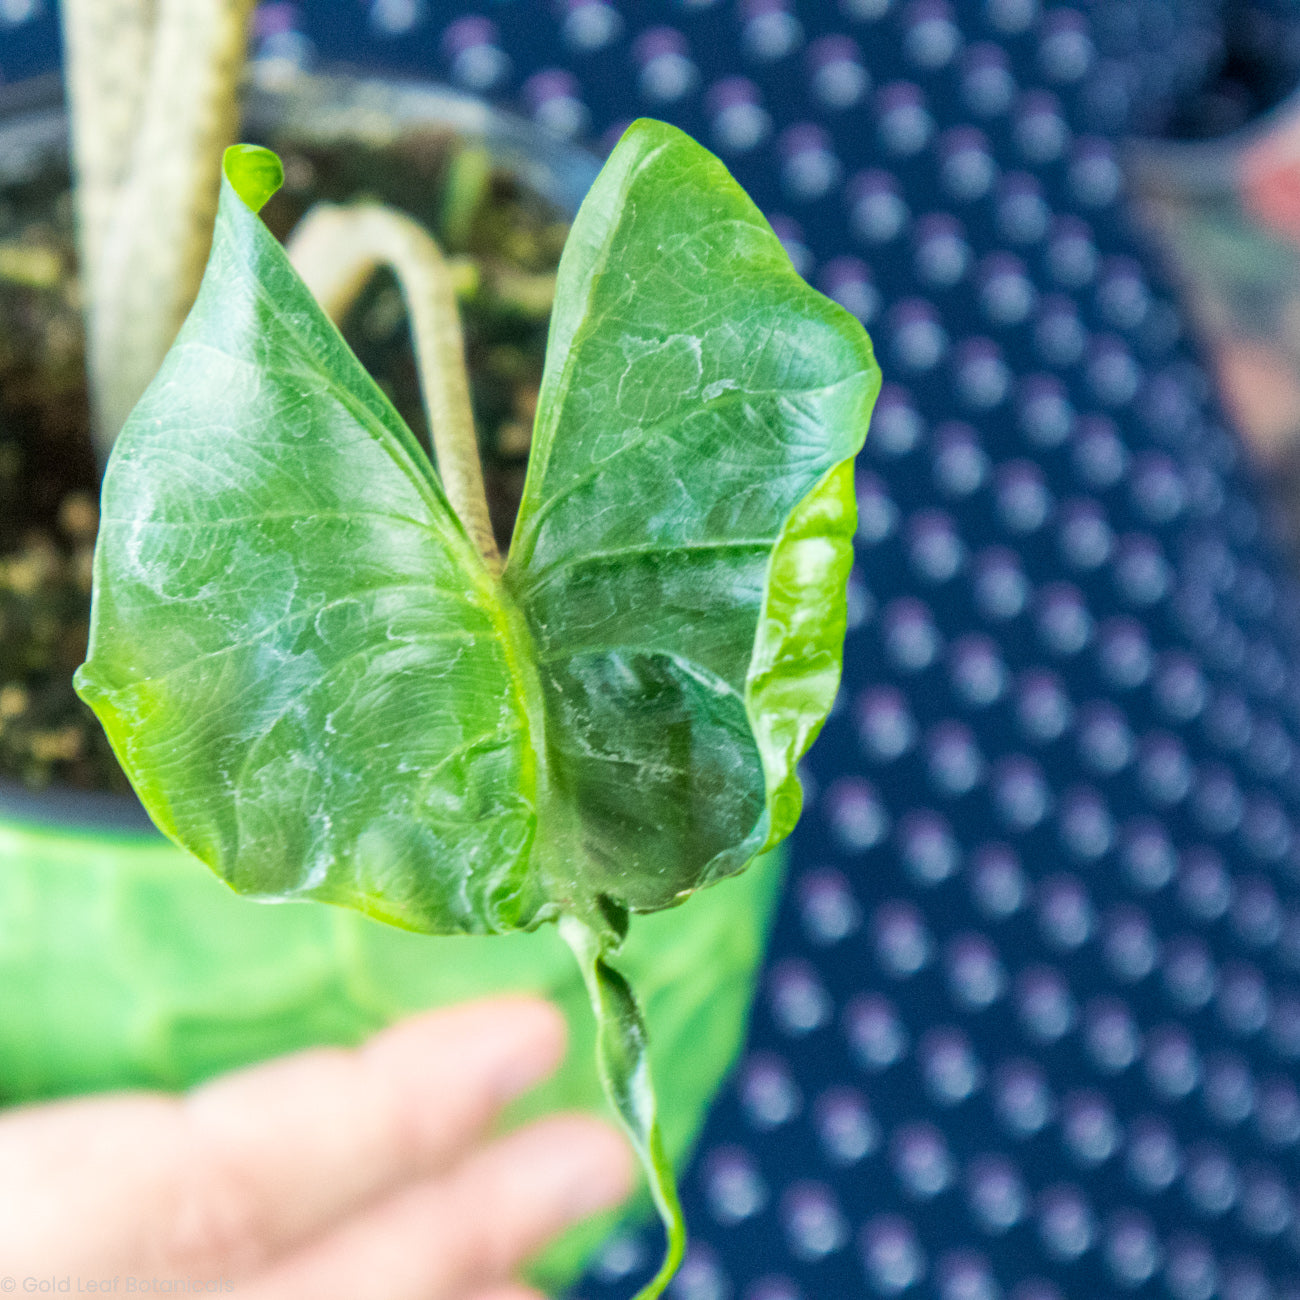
(288, 1148)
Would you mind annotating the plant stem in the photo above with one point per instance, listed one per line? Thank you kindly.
(624, 1067)
(336, 249)
(153, 89)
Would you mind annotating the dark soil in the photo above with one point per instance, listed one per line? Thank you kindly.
(508, 243)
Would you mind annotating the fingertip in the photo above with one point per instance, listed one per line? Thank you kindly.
(590, 1165)
(515, 1040)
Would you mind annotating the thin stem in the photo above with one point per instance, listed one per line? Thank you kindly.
(624, 1065)
(154, 93)
(336, 249)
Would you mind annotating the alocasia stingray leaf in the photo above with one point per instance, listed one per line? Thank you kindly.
(318, 687)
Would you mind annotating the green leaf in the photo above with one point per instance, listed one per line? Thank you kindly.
(686, 529)
(299, 658)
(318, 687)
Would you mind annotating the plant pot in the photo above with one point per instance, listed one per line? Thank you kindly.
(126, 963)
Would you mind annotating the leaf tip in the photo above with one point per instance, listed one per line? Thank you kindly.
(254, 173)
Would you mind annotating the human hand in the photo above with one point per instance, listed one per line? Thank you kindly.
(326, 1175)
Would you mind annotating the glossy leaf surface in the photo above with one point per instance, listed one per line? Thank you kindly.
(684, 540)
(317, 686)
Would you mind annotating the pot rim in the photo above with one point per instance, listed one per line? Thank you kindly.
(366, 106)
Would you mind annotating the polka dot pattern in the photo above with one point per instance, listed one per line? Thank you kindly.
(1031, 1019)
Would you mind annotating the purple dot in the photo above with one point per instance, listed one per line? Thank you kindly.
(856, 815)
(829, 910)
(770, 30)
(1153, 1158)
(667, 73)
(1064, 624)
(949, 1067)
(1210, 1180)
(1022, 499)
(1091, 1131)
(997, 882)
(903, 943)
(1180, 686)
(814, 1225)
(877, 513)
(848, 281)
(837, 77)
(966, 167)
(1071, 253)
(903, 123)
(935, 550)
(960, 465)
(1094, 174)
(1099, 457)
(1147, 855)
(886, 727)
(1172, 1066)
(1204, 887)
(1023, 216)
(845, 1126)
(930, 36)
(1229, 1091)
(1110, 1035)
(1085, 535)
(798, 999)
(1128, 944)
(987, 86)
(918, 342)
(978, 675)
(1065, 914)
(1132, 1249)
(1043, 411)
(769, 1096)
(877, 211)
(1216, 800)
(1123, 299)
(942, 253)
(1065, 1223)
(875, 1033)
(1243, 1003)
(1124, 651)
(1164, 772)
(1189, 974)
(733, 1186)
(981, 376)
(1106, 742)
(911, 639)
(921, 1161)
(809, 167)
(1190, 1270)
(1043, 709)
(995, 1193)
(1267, 1209)
(1001, 590)
(891, 1254)
(1020, 793)
(1038, 128)
(1059, 335)
(976, 976)
(1065, 50)
(477, 61)
(590, 25)
(1044, 1004)
(556, 103)
(1278, 1113)
(737, 117)
(927, 846)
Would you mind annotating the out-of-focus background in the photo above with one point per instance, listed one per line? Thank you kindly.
(1030, 1025)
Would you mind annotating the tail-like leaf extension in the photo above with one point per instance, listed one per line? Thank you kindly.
(624, 1066)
